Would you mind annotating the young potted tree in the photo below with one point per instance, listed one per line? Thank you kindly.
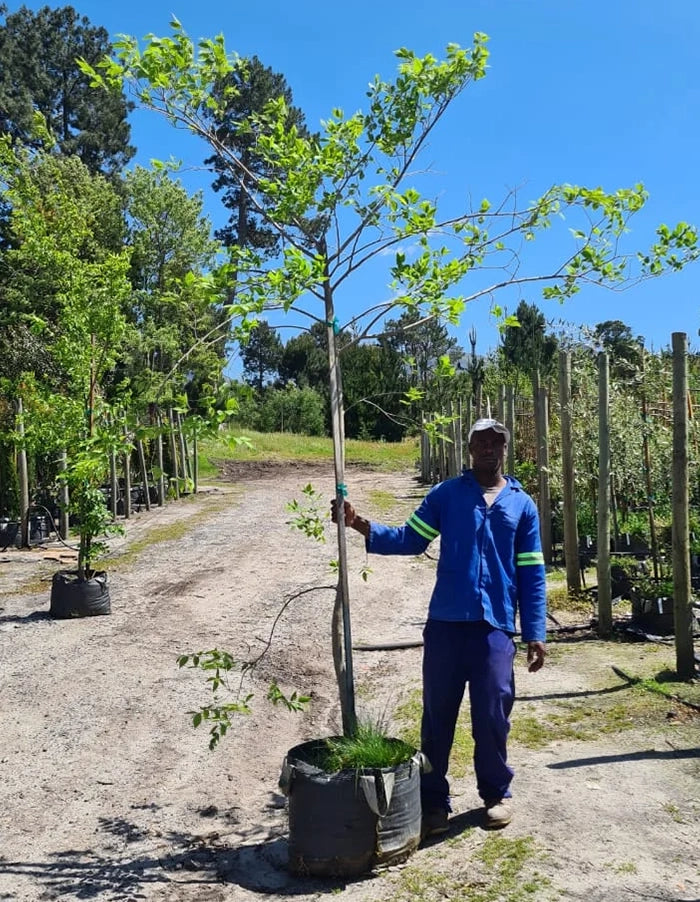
(345, 198)
(84, 591)
(68, 262)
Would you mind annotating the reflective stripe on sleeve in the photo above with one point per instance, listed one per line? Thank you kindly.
(528, 558)
(428, 532)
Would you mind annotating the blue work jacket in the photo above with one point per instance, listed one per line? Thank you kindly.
(491, 561)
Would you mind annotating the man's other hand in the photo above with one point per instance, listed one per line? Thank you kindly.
(536, 652)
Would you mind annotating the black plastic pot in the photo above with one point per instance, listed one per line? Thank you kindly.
(72, 596)
(655, 615)
(9, 533)
(346, 823)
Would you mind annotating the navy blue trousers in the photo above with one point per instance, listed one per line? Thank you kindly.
(454, 655)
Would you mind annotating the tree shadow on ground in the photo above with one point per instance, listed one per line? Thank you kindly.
(20, 619)
(179, 859)
(649, 754)
(584, 693)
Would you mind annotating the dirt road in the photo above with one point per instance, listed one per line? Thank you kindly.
(107, 792)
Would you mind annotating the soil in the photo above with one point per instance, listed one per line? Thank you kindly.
(107, 791)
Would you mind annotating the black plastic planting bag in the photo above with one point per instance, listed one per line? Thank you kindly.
(72, 596)
(346, 823)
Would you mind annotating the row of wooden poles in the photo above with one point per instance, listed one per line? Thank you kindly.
(183, 463)
(443, 459)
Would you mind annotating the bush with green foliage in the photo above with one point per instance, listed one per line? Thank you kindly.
(291, 409)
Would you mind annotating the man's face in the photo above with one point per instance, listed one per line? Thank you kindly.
(487, 449)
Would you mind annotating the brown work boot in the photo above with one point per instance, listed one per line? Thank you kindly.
(498, 813)
(434, 822)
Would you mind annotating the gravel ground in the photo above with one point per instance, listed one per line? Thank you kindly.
(107, 792)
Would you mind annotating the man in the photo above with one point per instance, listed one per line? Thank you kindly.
(490, 564)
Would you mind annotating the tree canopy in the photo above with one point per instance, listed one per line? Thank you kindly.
(240, 95)
(39, 73)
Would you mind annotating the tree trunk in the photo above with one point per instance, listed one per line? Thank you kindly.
(341, 614)
(573, 571)
(604, 586)
(682, 596)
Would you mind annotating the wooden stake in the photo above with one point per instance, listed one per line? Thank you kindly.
(510, 423)
(144, 473)
(682, 596)
(604, 584)
(126, 460)
(23, 474)
(342, 655)
(173, 453)
(159, 453)
(63, 528)
(573, 571)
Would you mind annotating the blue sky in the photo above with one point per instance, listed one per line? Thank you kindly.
(581, 91)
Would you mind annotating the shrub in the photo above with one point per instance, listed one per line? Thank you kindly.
(291, 409)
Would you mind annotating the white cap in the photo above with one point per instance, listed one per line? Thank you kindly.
(482, 425)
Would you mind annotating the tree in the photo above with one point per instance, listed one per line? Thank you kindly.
(261, 354)
(40, 73)
(353, 183)
(304, 359)
(64, 294)
(527, 346)
(175, 327)
(421, 342)
(625, 349)
(292, 409)
(239, 95)
(66, 258)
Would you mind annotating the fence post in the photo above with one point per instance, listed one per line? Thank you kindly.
(144, 473)
(646, 457)
(173, 454)
(113, 484)
(64, 498)
(542, 430)
(573, 571)
(604, 585)
(159, 454)
(126, 461)
(682, 598)
(510, 423)
(459, 437)
(23, 474)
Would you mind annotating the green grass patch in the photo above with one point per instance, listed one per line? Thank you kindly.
(408, 716)
(633, 707)
(381, 503)
(560, 599)
(369, 747)
(642, 705)
(387, 456)
(499, 871)
(166, 532)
